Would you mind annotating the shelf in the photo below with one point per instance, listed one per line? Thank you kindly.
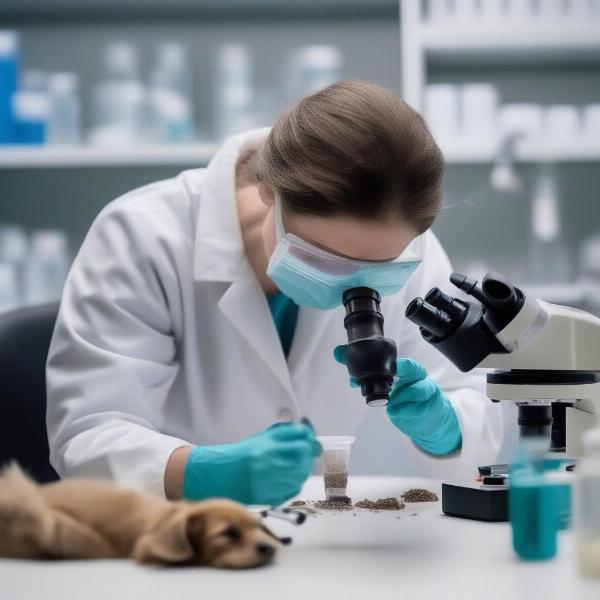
(48, 157)
(472, 44)
(92, 11)
(470, 153)
(83, 156)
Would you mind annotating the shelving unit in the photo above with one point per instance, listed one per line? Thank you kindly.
(430, 48)
(47, 157)
(50, 11)
(467, 44)
(511, 44)
(470, 152)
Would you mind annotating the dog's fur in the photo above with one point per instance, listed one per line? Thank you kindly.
(97, 519)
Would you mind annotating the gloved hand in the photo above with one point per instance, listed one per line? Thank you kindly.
(267, 468)
(419, 408)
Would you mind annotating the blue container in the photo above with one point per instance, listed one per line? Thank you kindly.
(30, 132)
(9, 61)
(539, 507)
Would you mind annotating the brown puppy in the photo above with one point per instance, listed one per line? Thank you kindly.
(97, 519)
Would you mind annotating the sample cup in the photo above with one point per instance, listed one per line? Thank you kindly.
(335, 459)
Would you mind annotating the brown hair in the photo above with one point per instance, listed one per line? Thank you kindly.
(357, 149)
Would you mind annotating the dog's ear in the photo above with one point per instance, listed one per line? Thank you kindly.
(213, 524)
(169, 542)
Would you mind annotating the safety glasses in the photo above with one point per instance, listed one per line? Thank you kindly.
(332, 264)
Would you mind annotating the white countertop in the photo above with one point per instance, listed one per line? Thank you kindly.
(415, 553)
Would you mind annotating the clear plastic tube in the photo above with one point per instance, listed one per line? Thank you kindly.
(335, 460)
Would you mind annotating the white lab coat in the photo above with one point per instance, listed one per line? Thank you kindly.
(164, 338)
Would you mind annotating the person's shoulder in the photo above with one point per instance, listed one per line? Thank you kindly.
(162, 199)
(162, 208)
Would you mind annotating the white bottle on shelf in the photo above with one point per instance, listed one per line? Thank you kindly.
(64, 122)
(235, 109)
(587, 506)
(591, 123)
(563, 124)
(479, 113)
(13, 251)
(440, 11)
(520, 12)
(468, 11)
(548, 260)
(493, 12)
(550, 12)
(442, 112)
(119, 101)
(312, 68)
(579, 12)
(170, 96)
(526, 119)
(47, 266)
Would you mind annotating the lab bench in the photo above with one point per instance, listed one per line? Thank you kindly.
(413, 553)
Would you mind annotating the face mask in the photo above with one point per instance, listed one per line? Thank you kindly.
(317, 279)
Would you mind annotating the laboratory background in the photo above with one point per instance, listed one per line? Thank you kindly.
(98, 97)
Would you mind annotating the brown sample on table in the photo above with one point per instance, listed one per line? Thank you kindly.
(381, 504)
(337, 504)
(298, 503)
(336, 480)
(419, 495)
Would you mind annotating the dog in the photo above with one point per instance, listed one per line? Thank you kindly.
(88, 519)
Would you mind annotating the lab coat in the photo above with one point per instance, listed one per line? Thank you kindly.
(164, 338)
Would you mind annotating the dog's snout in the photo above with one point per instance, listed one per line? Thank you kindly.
(265, 550)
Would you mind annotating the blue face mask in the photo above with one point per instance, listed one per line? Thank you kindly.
(316, 278)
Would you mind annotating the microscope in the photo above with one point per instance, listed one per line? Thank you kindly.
(545, 357)
(370, 356)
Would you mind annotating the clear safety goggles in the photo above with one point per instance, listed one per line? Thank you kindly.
(333, 264)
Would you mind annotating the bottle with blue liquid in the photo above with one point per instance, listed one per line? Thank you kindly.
(9, 66)
(539, 493)
(31, 109)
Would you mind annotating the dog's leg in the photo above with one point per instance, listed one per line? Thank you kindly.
(73, 539)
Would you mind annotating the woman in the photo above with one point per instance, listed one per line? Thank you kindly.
(202, 310)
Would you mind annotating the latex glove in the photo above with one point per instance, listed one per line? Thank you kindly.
(267, 468)
(419, 408)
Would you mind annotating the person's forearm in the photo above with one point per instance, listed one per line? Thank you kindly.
(175, 471)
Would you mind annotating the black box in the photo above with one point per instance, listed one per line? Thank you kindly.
(478, 502)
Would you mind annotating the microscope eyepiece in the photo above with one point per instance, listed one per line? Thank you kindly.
(370, 356)
(429, 317)
(451, 306)
(498, 288)
(500, 298)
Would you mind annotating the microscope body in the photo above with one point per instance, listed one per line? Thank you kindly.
(542, 353)
(555, 358)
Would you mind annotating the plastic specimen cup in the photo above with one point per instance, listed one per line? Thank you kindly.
(335, 459)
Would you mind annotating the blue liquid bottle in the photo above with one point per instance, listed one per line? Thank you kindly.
(539, 500)
(9, 59)
(31, 109)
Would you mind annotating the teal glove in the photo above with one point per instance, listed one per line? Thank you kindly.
(267, 468)
(419, 408)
